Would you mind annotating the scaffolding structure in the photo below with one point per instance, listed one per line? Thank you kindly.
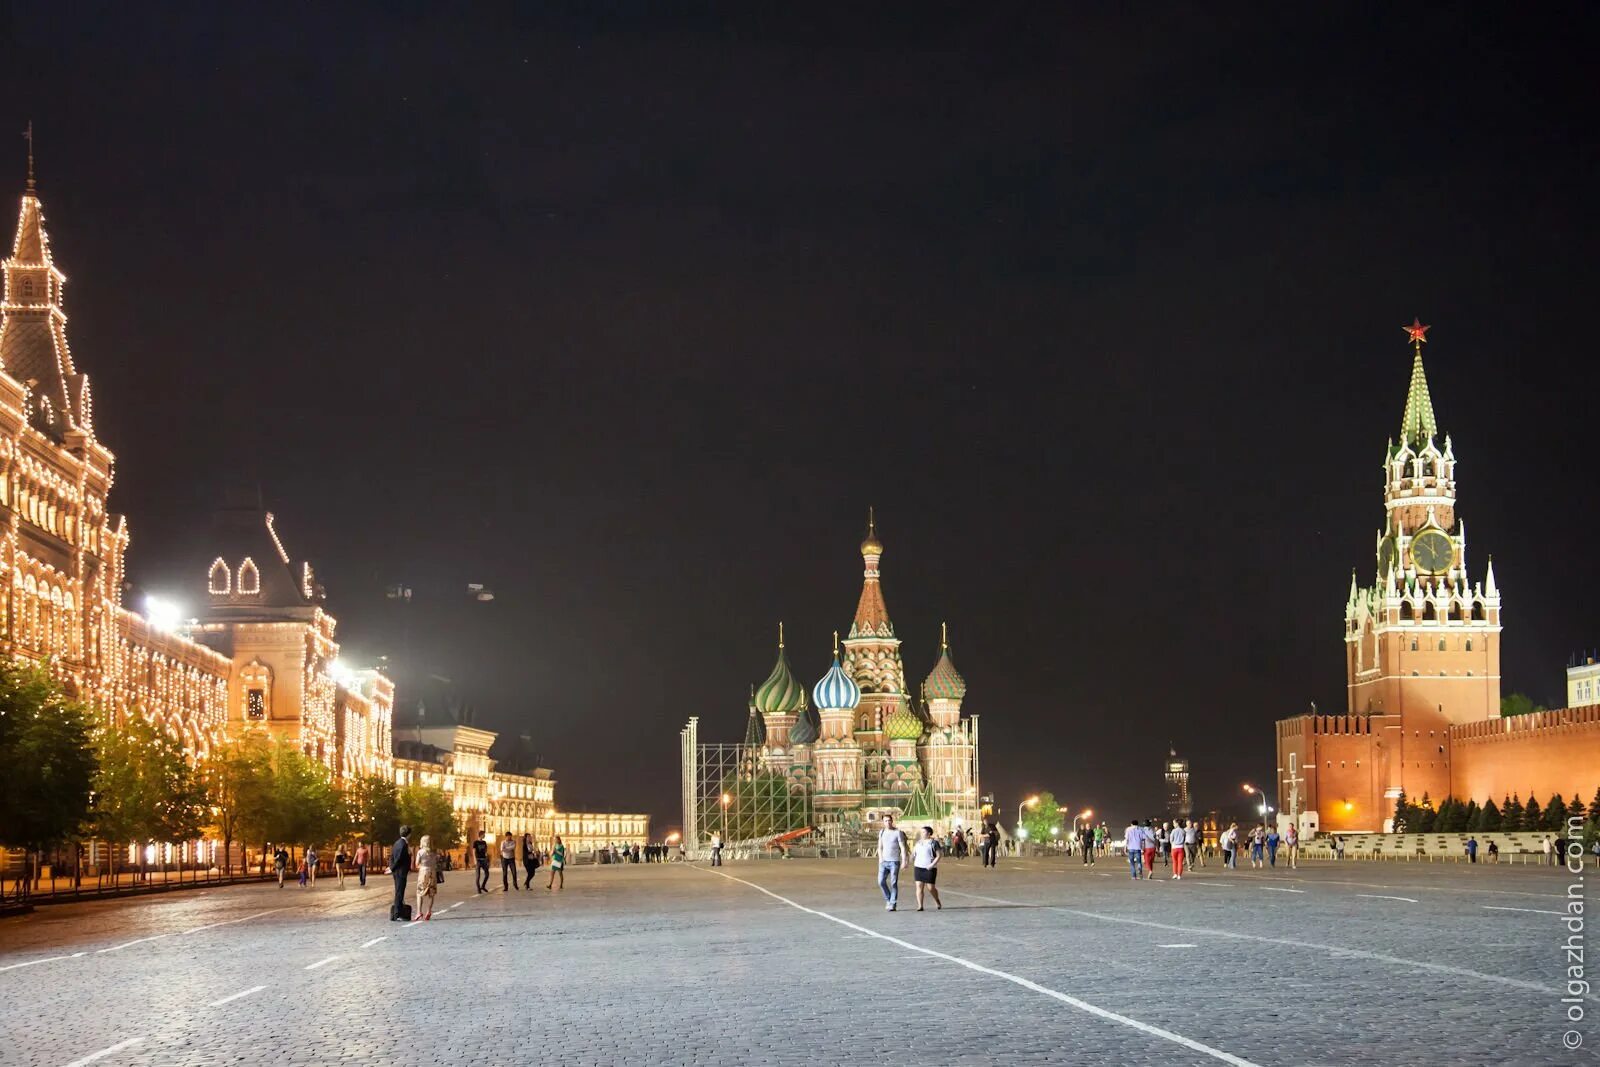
(731, 791)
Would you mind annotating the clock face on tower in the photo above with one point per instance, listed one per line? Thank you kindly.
(1432, 551)
(1387, 554)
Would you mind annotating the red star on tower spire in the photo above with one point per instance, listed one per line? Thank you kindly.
(1416, 331)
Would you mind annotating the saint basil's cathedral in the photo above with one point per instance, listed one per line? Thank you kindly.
(863, 745)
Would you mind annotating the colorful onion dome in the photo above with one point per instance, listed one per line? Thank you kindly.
(836, 690)
(870, 545)
(944, 682)
(806, 728)
(903, 725)
(780, 693)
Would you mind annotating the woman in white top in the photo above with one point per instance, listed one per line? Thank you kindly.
(925, 867)
(427, 878)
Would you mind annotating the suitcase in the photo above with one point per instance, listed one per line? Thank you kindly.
(401, 912)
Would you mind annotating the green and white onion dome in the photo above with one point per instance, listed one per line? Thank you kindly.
(903, 725)
(837, 690)
(780, 693)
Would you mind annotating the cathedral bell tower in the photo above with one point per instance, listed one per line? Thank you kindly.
(1424, 638)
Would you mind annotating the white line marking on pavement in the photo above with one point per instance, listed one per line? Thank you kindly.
(374, 941)
(456, 905)
(236, 996)
(1081, 1005)
(1275, 889)
(31, 963)
(1380, 896)
(1179, 945)
(1338, 950)
(135, 941)
(321, 963)
(1530, 911)
(230, 922)
(118, 1047)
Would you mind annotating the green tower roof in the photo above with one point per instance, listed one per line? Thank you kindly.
(780, 693)
(1418, 426)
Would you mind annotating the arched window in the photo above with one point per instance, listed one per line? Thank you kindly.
(1441, 644)
(220, 580)
(249, 583)
(1413, 644)
(1469, 645)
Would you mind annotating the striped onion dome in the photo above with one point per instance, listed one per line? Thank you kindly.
(944, 682)
(837, 690)
(903, 725)
(806, 728)
(780, 693)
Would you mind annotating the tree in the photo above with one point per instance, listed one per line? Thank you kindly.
(1532, 817)
(1425, 816)
(238, 783)
(1454, 815)
(1041, 818)
(47, 754)
(146, 790)
(1518, 704)
(1555, 814)
(1511, 813)
(1402, 813)
(1491, 816)
(1446, 815)
(305, 808)
(1474, 817)
(374, 810)
(1576, 810)
(427, 810)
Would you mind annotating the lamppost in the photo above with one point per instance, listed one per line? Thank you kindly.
(726, 800)
(1265, 808)
(1022, 833)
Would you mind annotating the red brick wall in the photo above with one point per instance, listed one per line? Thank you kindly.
(1546, 753)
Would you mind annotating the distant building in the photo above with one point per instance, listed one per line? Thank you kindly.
(1583, 682)
(1177, 776)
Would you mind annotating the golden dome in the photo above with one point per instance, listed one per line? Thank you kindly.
(871, 546)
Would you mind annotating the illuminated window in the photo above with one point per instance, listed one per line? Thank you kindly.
(220, 579)
(255, 703)
(249, 583)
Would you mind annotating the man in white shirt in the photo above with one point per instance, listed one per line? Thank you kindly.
(892, 854)
(1133, 843)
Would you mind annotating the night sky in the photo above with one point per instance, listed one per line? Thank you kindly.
(632, 317)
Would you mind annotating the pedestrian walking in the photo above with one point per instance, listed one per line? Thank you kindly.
(508, 862)
(530, 860)
(1148, 850)
(1179, 841)
(1133, 844)
(1257, 845)
(280, 863)
(362, 855)
(558, 865)
(339, 860)
(480, 853)
(1272, 847)
(925, 867)
(1338, 847)
(400, 868)
(310, 870)
(427, 879)
(716, 850)
(1088, 846)
(892, 854)
(1230, 846)
(1164, 843)
(1291, 841)
(1197, 846)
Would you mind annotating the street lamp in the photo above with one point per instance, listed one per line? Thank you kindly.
(1265, 808)
(726, 800)
(1031, 802)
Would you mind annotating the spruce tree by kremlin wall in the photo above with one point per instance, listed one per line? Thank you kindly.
(1402, 812)
(1555, 814)
(1511, 813)
(1491, 817)
(1532, 815)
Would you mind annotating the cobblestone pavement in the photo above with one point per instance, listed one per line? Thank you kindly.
(797, 962)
